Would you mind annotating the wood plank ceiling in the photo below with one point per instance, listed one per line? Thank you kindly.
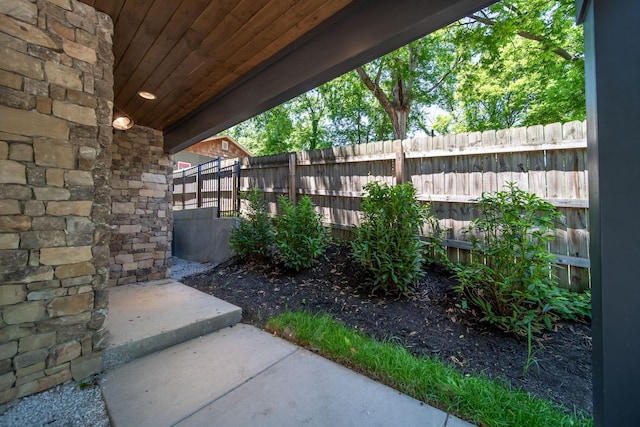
(187, 52)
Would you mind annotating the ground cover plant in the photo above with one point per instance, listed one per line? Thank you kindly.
(474, 398)
(430, 321)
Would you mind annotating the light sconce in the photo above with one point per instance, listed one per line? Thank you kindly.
(121, 121)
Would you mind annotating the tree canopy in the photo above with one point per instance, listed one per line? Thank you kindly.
(515, 63)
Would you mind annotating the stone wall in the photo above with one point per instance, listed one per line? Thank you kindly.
(56, 98)
(141, 220)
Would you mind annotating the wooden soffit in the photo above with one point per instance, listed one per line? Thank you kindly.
(214, 63)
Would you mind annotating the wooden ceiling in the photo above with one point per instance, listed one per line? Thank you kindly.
(215, 63)
(186, 52)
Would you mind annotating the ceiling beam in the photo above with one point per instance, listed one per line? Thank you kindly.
(362, 32)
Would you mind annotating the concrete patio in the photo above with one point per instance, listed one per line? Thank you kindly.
(187, 364)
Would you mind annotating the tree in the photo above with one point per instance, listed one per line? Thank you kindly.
(277, 127)
(267, 133)
(354, 116)
(526, 67)
(246, 133)
(517, 62)
(421, 72)
(309, 114)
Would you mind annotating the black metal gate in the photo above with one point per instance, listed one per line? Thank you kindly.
(208, 185)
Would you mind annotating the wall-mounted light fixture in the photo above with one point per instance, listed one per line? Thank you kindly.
(121, 121)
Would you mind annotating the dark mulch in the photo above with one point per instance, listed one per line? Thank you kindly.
(430, 321)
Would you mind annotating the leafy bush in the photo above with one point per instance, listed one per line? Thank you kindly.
(253, 236)
(300, 236)
(510, 277)
(387, 242)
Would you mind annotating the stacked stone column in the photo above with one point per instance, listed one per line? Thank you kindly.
(56, 100)
(142, 216)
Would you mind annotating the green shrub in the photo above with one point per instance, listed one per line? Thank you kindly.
(510, 277)
(253, 236)
(387, 242)
(300, 236)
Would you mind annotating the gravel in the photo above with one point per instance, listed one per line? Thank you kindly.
(181, 268)
(66, 405)
(69, 405)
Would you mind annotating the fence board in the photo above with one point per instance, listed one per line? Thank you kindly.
(503, 176)
(502, 137)
(519, 163)
(438, 142)
(578, 244)
(577, 219)
(536, 164)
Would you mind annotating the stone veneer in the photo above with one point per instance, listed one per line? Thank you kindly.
(142, 216)
(56, 100)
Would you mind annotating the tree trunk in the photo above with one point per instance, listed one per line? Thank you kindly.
(398, 109)
(313, 144)
(400, 124)
(401, 105)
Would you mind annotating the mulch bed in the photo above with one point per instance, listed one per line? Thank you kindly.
(430, 321)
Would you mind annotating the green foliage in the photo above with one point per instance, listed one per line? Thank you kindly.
(526, 66)
(443, 123)
(435, 250)
(300, 236)
(510, 277)
(531, 353)
(277, 130)
(268, 133)
(522, 89)
(253, 236)
(297, 239)
(309, 111)
(387, 242)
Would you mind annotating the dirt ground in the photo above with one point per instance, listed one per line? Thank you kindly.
(429, 321)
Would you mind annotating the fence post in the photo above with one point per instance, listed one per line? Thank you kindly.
(292, 177)
(399, 162)
(183, 188)
(236, 187)
(199, 187)
(219, 189)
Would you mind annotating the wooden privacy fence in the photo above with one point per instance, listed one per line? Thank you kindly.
(450, 172)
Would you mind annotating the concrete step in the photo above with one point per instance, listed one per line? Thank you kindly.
(149, 317)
